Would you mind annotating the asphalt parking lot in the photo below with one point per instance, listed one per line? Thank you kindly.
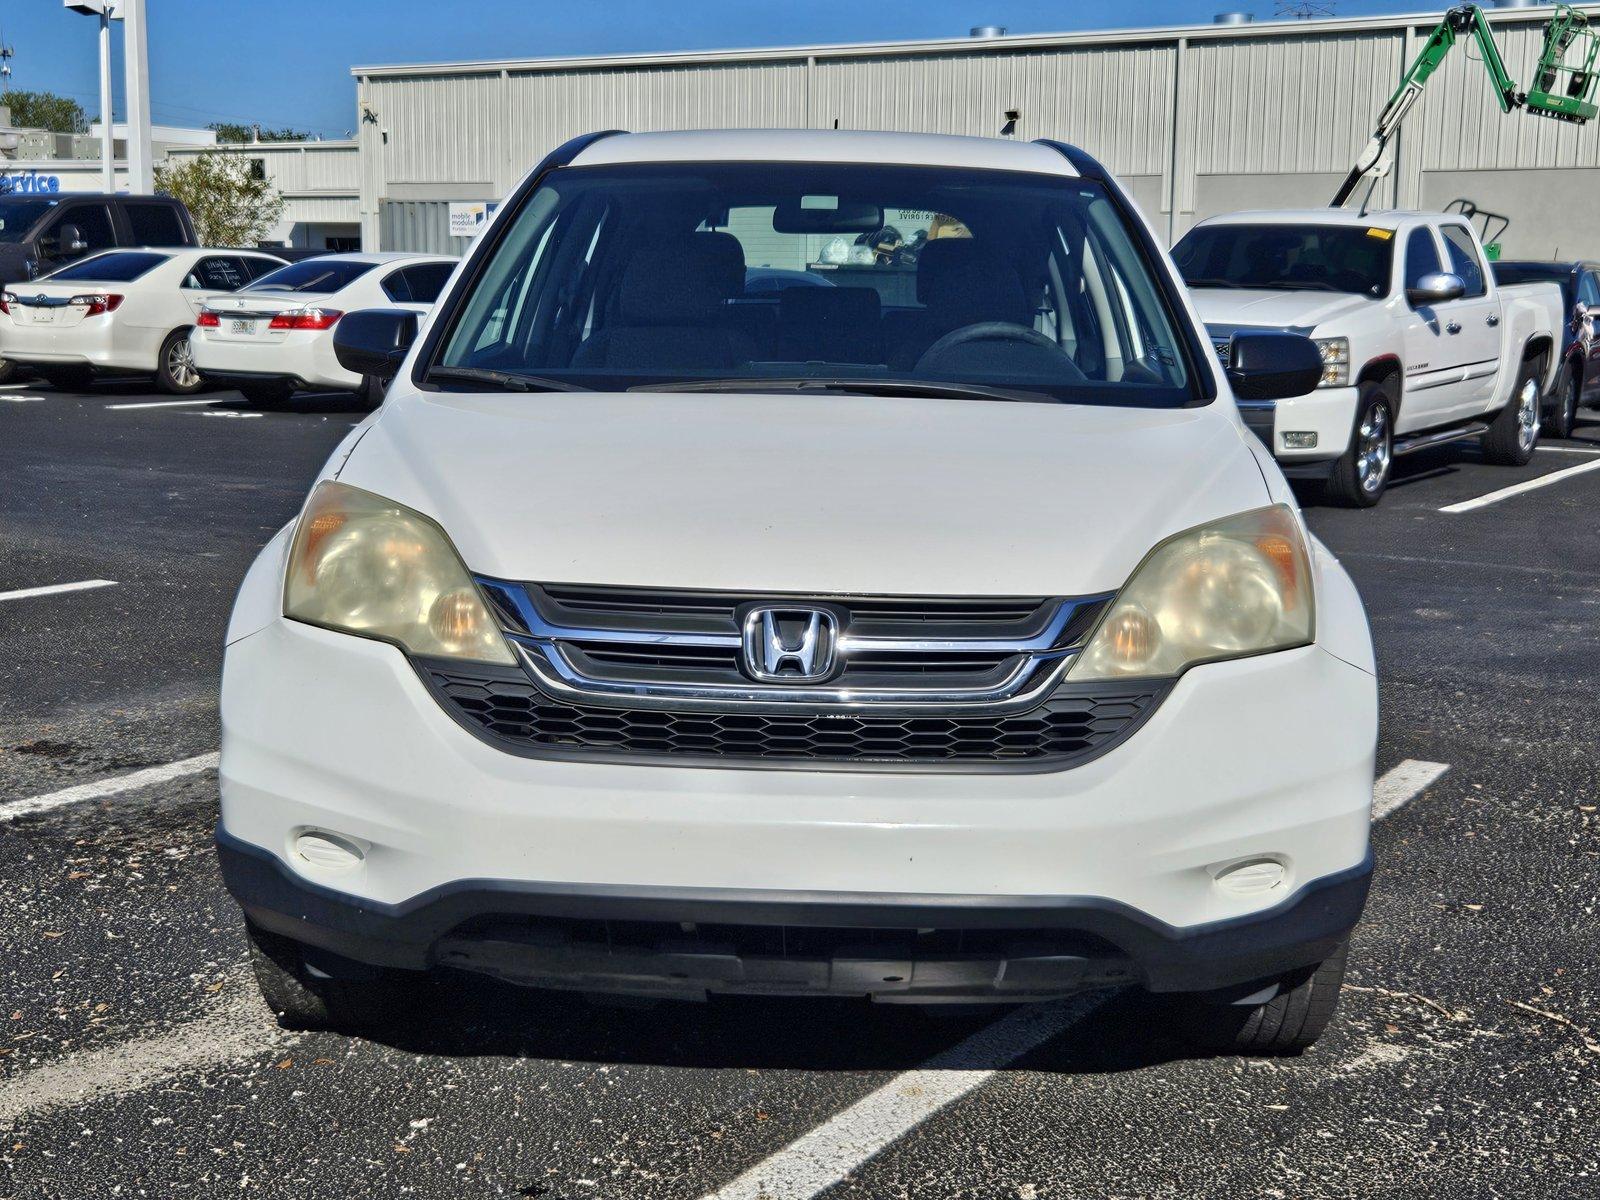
(136, 1060)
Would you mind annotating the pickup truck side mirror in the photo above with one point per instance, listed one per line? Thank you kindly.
(374, 341)
(1273, 366)
(67, 242)
(1436, 287)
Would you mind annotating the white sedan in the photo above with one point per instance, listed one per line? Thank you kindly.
(276, 336)
(122, 312)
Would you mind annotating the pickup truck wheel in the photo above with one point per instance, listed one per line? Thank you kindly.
(1514, 433)
(302, 1000)
(1288, 1023)
(1362, 472)
(1564, 415)
(268, 392)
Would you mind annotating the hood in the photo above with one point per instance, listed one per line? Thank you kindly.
(818, 494)
(1231, 308)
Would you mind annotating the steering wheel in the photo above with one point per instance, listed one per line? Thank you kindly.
(1015, 348)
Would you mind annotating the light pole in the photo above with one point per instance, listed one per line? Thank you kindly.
(136, 87)
(108, 11)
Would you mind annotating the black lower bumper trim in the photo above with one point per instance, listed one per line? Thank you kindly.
(694, 940)
(1310, 471)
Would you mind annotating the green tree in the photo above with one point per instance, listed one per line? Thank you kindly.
(231, 132)
(230, 206)
(46, 110)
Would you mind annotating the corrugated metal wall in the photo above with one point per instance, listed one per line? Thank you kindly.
(420, 225)
(1199, 121)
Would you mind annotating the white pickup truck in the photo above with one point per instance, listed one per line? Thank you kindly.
(1419, 344)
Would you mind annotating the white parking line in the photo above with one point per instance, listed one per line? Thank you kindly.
(1402, 784)
(821, 1158)
(53, 589)
(1567, 450)
(1518, 489)
(78, 793)
(227, 413)
(236, 1028)
(161, 404)
(22, 399)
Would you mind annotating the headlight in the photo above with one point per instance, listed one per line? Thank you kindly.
(365, 565)
(1335, 361)
(1236, 587)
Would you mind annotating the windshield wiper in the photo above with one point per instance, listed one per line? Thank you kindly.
(1302, 285)
(1212, 283)
(508, 381)
(865, 387)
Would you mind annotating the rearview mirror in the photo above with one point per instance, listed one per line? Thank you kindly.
(374, 341)
(826, 214)
(1273, 366)
(1436, 287)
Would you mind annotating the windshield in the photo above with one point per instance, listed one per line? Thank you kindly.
(1318, 258)
(20, 214)
(315, 275)
(120, 266)
(750, 276)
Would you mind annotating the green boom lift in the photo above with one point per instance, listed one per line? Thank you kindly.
(1562, 90)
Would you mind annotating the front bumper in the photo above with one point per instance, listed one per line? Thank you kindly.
(1330, 413)
(1109, 861)
(688, 942)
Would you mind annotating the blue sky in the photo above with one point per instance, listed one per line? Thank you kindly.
(287, 62)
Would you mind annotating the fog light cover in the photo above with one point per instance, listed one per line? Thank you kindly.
(1252, 877)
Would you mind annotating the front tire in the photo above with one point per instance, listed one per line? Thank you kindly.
(303, 999)
(1514, 433)
(1569, 389)
(176, 373)
(1361, 475)
(1286, 1024)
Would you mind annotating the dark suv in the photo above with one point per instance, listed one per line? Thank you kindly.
(39, 233)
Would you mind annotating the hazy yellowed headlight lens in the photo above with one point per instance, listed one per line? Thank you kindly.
(366, 565)
(1236, 587)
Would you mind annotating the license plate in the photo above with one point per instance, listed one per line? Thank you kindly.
(238, 326)
(43, 316)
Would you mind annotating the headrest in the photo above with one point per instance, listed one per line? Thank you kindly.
(962, 279)
(681, 280)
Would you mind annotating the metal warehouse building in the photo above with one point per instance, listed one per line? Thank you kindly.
(1196, 120)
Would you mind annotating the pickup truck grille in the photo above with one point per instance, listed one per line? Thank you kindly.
(1073, 724)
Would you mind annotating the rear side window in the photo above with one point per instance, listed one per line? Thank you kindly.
(120, 266)
(1422, 257)
(316, 276)
(428, 280)
(397, 287)
(219, 273)
(1464, 258)
(155, 225)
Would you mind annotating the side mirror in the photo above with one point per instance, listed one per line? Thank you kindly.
(374, 341)
(1273, 366)
(1436, 287)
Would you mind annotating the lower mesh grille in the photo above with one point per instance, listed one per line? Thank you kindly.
(1072, 725)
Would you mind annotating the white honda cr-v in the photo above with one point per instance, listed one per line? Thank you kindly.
(929, 630)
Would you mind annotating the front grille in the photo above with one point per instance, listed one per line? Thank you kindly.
(577, 604)
(1075, 723)
(606, 642)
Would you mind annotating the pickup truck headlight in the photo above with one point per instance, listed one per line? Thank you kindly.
(365, 565)
(1335, 361)
(1233, 588)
